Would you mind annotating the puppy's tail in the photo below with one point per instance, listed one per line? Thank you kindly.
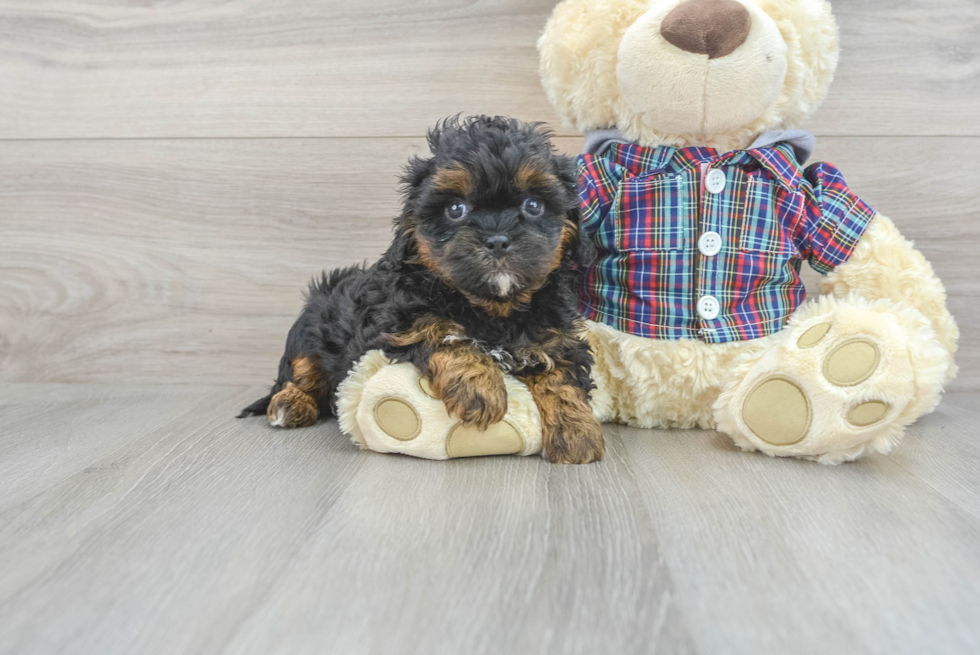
(258, 408)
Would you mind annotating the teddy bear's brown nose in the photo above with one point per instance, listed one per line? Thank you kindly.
(707, 27)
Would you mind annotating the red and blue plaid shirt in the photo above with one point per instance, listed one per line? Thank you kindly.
(647, 208)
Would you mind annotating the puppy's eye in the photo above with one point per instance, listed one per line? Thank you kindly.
(533, 208)
(457, 210)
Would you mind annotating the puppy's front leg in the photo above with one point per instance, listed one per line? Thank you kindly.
(570, 432)
(470, 384)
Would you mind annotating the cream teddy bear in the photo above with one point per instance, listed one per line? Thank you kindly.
(694, 189)
(694, 193)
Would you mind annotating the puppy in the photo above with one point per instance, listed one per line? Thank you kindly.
(480, 279)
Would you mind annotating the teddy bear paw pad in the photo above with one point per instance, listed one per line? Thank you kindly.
(778, 411)
(499, 439)
(867, 414)
(831, 391)
(813, 336)
(852, 362)
(390, 408)
(398, 419)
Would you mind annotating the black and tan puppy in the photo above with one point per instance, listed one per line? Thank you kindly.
(479, 280)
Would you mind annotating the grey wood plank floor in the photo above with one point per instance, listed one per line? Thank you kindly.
(144, 519)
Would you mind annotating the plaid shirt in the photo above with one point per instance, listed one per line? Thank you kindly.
(647, 208)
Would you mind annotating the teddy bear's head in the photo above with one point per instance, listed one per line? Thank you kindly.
(688, 72)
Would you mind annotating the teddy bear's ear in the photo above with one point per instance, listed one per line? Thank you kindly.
(810, 31)
(579, 50)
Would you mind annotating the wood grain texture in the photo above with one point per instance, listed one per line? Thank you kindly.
(189, 531)
(144, 519)
(85, 69)
(821, 560)
(184, 261)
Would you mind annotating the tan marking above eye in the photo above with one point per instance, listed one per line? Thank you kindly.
(453, 180)
(530, 176)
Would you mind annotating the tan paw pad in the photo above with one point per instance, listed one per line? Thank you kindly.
(868, 413)
(426, 388)
(813, 336)
(778, 411)
(499, 439)
(852, 362)
(398, 419)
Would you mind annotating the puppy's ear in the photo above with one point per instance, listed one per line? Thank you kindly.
(403, 248)
(579, 247)
(416, 172)
(566, 170)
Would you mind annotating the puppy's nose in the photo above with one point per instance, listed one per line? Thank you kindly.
(707, 27)
(498, 245)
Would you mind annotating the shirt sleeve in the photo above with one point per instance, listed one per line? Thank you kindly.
(598, 183)
(836, 218)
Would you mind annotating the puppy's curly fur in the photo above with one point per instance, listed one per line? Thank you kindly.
(480, 280)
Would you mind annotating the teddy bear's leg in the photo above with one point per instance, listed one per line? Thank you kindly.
(389, 408)
(886, 265)
(853, 369)
(843, 379)
(659, 383)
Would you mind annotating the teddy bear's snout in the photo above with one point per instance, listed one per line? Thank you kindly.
(707, 27)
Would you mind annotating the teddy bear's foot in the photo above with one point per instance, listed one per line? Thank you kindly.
(843, 380)
(389, 408)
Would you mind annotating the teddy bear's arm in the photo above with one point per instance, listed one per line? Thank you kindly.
(885, 264)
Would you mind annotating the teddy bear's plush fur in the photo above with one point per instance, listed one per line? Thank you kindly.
(848, 370)
(590, 46)
(605, 64)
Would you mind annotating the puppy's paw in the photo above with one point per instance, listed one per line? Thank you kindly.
(471, 386)
(292, 408)
(574, 438)
(477, 403)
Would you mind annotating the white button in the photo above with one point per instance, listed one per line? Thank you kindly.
(716, 181)
(710, 244)
(708, 308)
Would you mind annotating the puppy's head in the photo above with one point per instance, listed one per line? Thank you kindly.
(494, 211)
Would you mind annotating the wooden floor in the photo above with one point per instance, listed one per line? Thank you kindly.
(144, 519)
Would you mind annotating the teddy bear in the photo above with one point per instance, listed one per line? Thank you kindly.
(696, 195)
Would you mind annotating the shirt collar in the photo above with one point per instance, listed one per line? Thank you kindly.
(779, 161)
(780, 153)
